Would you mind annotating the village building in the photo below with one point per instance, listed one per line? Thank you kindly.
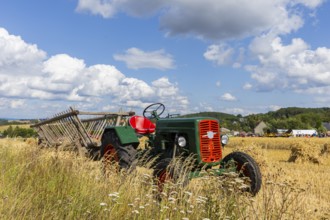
(327, 126)
(259, 129)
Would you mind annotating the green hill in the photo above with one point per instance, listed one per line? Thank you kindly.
(284, 118)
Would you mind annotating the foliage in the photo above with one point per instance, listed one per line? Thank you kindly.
(284, 118)
(19, 132)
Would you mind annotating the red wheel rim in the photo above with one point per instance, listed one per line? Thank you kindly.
(110, 156)
(162, 178)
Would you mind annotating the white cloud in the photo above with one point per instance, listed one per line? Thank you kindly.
(228, 97)
(108, 8)
(11, 103)
(104, 8)
(218, 83)
(16, 57)
(62, 68)
(290, 67)
(235, 111)
(14, 104)
(137, 59)
(168, 91)
(220, 54)
(247, 86)
(210, 19)
(274, 107)
(68, 80)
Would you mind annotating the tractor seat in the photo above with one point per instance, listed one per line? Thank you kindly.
(142, 125)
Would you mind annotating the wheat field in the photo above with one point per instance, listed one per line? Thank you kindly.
(51, 184)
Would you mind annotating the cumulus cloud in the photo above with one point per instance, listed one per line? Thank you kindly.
(11, 103)
(294, 66)
(108, 8)
(68, 79)
(137, 59)
(247, 86)
(16, 56)
(220, 54)
(210, 19)
(228, 97)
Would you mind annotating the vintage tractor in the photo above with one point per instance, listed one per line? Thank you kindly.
(169, 139)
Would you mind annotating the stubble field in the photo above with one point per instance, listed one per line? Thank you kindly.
(49, 184)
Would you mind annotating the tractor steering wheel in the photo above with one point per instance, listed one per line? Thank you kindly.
(154, 110)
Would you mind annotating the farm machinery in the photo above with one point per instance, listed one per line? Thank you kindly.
(115, 137)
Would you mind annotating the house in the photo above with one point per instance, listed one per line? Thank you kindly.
(224, 130)
(259, 129)
(327, 126)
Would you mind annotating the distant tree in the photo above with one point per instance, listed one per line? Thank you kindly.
(19, 132)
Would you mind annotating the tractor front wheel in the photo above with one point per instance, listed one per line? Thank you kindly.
(112, 152)
(246, 166)
(169, 170)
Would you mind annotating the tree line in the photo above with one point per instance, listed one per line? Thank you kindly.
(19, 132)
(284, 118)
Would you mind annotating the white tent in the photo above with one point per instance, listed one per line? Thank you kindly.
(298, 133)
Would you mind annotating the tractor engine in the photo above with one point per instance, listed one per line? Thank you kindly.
(199, 136)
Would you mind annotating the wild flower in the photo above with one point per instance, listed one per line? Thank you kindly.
(103, 204)
(115, 194)
(135, 211)
(188, 193)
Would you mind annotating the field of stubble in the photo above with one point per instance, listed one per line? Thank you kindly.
(48, 184)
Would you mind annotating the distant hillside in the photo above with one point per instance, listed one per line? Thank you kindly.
(284, 118)
(218, 115)
(16, 121)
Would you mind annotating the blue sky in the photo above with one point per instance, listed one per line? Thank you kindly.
(237, 57)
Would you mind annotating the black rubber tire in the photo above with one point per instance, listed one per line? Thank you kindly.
(246, 166)
(125, 155)
(165, 171)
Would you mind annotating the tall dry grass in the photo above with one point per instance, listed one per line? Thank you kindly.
(48, 184)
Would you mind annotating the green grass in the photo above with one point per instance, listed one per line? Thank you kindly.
(48, 184)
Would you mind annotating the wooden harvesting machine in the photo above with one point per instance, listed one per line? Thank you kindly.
(80, 129)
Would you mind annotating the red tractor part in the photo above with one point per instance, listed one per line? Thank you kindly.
(142, 125)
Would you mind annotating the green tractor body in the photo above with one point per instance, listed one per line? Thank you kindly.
(173, 139)
(201, 137)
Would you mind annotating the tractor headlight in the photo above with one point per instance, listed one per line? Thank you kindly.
(182, 142)
(224, 139)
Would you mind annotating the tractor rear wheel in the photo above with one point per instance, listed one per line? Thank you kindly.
(246, 166)
(112, 151)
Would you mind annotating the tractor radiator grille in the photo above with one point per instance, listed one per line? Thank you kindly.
(210, 143)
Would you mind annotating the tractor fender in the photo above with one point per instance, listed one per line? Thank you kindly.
(126, 135)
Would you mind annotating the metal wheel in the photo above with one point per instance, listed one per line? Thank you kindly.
(246, 166)
(168, 171)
